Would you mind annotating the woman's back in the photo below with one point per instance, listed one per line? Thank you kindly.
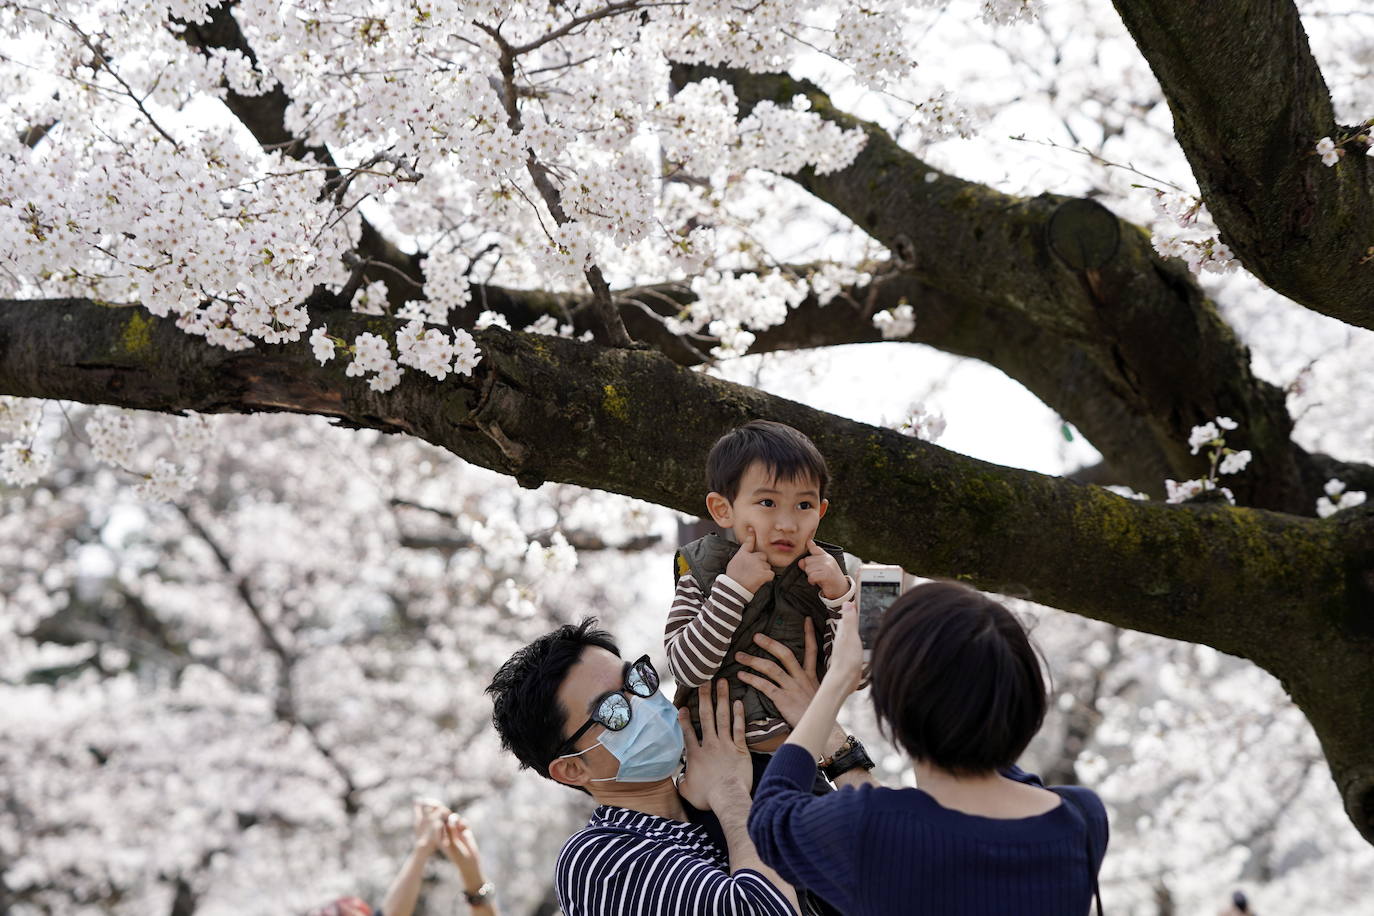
(960, 688)
(875, 850)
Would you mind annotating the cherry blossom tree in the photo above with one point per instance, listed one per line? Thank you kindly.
(530, 236)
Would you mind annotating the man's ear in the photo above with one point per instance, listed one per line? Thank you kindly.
(722, 513)
(570, 771)
(825, 504)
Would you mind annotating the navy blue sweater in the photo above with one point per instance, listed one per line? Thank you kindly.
(872, 850)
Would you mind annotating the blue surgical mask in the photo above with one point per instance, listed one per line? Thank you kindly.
(650, 747)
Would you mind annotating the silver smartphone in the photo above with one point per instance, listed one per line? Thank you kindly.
(879, 586)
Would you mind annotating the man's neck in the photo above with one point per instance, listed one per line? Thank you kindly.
(657, 798)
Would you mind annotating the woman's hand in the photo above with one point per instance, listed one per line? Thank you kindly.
(460, 845)
(429, 825)
(847, 651)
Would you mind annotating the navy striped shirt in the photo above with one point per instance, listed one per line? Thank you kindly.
(626, 862)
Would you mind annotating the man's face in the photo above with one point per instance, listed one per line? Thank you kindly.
(782, 514)
(595, 672)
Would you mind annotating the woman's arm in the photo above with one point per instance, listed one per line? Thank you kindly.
(405, 888)
(460, 845)
(814, 841)
(816, 729)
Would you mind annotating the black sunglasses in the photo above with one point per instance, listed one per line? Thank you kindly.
(611, 708)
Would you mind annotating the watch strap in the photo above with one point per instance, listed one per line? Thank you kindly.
(481, 895)
(851, 756)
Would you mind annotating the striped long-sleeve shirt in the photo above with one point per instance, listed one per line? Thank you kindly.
(700, 628)
(626, 862)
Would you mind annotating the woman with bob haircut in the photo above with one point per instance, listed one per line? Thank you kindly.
(958, 686)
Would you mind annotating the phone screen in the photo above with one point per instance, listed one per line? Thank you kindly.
(874, 598)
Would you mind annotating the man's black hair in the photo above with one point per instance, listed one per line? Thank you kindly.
(786, 452)
(524, 692)
(955, 680)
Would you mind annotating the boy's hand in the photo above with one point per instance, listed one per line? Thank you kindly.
(823, 572)
(749, 566)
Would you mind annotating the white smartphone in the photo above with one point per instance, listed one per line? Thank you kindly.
(879, 586)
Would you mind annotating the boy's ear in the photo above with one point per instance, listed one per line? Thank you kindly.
(825, 504)
(721, 511)
(570, 771)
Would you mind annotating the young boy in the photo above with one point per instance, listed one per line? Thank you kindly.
(767, 484)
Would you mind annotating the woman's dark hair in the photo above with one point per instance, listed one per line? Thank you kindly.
(955, 680)
(524, 692)
(786, 452)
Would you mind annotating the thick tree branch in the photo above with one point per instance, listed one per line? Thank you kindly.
(1080, 368)
(1138, 327)
(1249, 105)
(1295, 595)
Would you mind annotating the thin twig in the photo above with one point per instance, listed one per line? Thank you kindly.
(1084, 151)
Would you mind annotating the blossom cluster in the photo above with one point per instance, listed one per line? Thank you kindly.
(1221, 460)
(432, 352)
(1337, 498)
(22, 463)
(897, 322)
(372, 354)
(921, 423)
(1332, 151)
(1200, 245)
(1007, 12)
(115, 441)
(733, 306)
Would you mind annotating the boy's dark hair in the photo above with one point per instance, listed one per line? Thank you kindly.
(786, 452)
(524, 692)
(955, 680)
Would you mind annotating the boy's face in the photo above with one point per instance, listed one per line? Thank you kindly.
(782, 514)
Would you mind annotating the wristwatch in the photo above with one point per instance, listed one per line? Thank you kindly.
(848, 756)
(480, 895)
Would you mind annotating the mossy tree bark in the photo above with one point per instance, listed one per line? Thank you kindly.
(1249, 105)
(1295, 595)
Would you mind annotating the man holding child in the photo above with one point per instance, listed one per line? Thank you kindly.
(569, 707)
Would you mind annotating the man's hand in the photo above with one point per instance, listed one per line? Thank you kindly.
(823, 572)
(789, 685)
(718, 766)
(749, 566)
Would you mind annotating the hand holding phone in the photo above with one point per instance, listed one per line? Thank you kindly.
(879, 586)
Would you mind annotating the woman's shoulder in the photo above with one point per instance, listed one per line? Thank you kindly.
(1090, 810)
